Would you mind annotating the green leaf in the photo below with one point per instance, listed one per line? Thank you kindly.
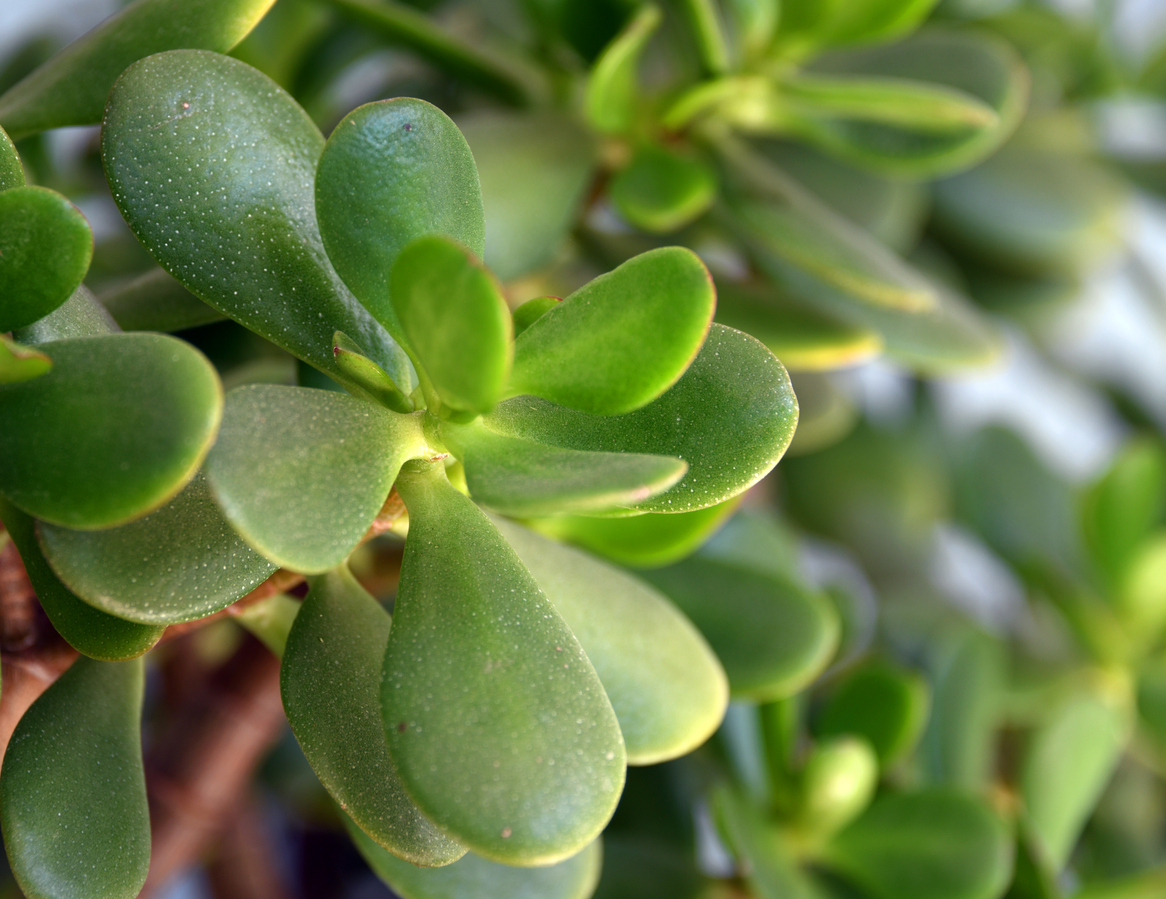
(73, 795)
(610, 100)
(773, 636)
(71, 88)
(574, 878)
(85, 628)
(838, 781)
(330, 680)
(523, 478)
(1121, 510)
(45, 248)
(730, 417)
(812, 23)
(270, 620)
(663, 191)
(302, 473)
(705, 24)
(114, 431)
(391, 172)
(1151, 702)
(621, 340)
(180, 563)
(79, 316)
(522, 759)
(531, 311)
(374, 381)
(535, 169)
(457, 325)
(212, 166)
(21, 363)
(932, 844)
(668, 690)
(884, 703)
(11, 171)
(156, 302)
(770, 868)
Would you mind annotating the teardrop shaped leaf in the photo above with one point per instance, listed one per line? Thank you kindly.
(772, 635)
(730, 417)
(521, 757)
(45, 248)
(79, 316)
(393, 171)
(668, 690)
(330, 680)
(115, 430)
(88, 630)
(610, 101)
(212, 165)
(374, 381)
(574, 878)
(302, 473)
(177, 564)
(621, 340)
(455, 322)
(838, 781)
(662, 191)
(11, 171)
(884, 703)
(73, 794)
(156, 302)
(21, 363)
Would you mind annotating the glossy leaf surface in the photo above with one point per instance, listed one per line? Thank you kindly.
(393, 171)
(330, 680)
(457, 325)
(667, 687)
(662, 191)
(301, 473)
(86, 629)
(621, 340)
(521, 759)
(154, 301)
(177, 564)
(21, 363)
(237, 227)
(730, 417)
(45, 248)
(573, 878)
(11, 171)
(73, 795)
(117, 428)
(611, 87)
(773, 636)
(79, 316)
(885, 704)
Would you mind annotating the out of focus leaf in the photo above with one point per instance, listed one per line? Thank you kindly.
(79, 316)
(837, 783)
(813, 23)
(11, 171)
(1123, 508)
(885, 704)
(768, 864)
(156, 302)
(611, 87)
(663, 191)
(21, 363)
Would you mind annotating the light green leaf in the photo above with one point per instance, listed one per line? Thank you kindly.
(21, 363)
(610, 101)
(1145, 885)
(330, 680)
(79, 316)
(45, 248)
(1122, 509)
(457, 325)
(668, 690)
(302, 473)
(522, 759)
(812, 23)
(770, 868)
(269, 620)
(622, 340)
(704, 22)
(73, 795)
(574, 878)
(662, 191)
(114, 431)
(772, 635)
(180, 563)
(756, 23)
(837, 783)
(212, 166)
(391, 172)
(884, 703)
(156, 302)
(374, 382)
(730, 417)
(531, 311)
(11, 171)
(85, 628)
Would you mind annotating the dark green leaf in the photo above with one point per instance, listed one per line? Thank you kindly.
(1123, 508)
(114, 431)
(301, 473)
(769, 865)
(156, 302)
(885, 704)
(79, 316)
(663, 191)
(85, 628)
(177, 564)
(45, 248)
(457, 326)
(374, 382)
(730, 417)
(21, 363)
(610, 102)
(668, 690)
(522, 758)
(330, 680)
(11, 171)
(213, 166)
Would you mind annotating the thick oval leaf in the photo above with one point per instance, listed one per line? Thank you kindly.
(522, 478)
(73, 795)
(85, 628)
(838, 781)
(934, 844)
(497, 722)
(45, 248)
(773, 636)
(70, 89)
(663, 191)
(156, 302)
(668, 690)
(302, 473)
(330, 679)
(885, 704)
(730, 417)
(610, 101)
(21, 363)
(456, 324)
(11, 171)
(116, 429)
(178, 564)
(1125, 506)
(213, 166)
(79, 316)
(393, 171)
(574, 878)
